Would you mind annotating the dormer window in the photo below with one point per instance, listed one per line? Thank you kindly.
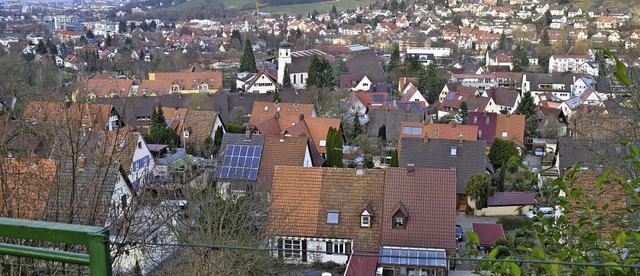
(186, 134)
(400, 216)
(454, 151)
(365, 219)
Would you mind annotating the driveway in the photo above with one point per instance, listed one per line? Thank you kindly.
(466, 224)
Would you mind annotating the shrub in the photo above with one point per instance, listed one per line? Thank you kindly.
(513, 223)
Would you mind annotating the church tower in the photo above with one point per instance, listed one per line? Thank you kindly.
(284, 58)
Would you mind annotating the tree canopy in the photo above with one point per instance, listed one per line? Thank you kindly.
(502, 151)
(528, 108)
(479, 188)
(320, 73)
(248, 60)
(334, 146)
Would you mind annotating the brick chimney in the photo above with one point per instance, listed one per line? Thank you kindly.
(359, 169)
(282, 136)
(81, 161)
(247, 134)
(460, 138)
(426, 137)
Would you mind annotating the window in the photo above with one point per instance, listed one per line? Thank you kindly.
(412, 130)
(475, 119)
(365, 221)
(480, 133)
(454, 151)
(186, 134)
(323, 143)
(486, 120)
(398, 222)
(338, 247)
(292, 249)
(504, 134)
(435, 132)
(333, 217)
(139, 144)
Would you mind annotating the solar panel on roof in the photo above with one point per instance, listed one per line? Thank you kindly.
(240, 162)
(378, 97)
(451, 96)
(412, 256)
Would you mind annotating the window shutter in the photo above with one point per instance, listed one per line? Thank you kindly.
(279, 248)
(347, 247)
(304, 251)
(329, 248)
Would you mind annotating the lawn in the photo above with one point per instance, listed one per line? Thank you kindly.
(229, 4)
(319, 6)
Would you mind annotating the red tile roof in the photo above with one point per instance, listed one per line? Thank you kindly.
(288, 113)
(300, 208)
(429, 197)
(280, 151)
(513, 125)
(488, 232)
(27, 186)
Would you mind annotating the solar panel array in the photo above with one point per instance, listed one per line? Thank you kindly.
(240, 162)
(378, 97)
(413, 256)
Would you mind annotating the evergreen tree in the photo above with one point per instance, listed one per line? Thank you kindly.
(286, 79)
(393, 70)
(479, 188)
(327, 77)
(89, 34)
(315, 70)
(393, 7)
(334, 148)
(544, 39)
(53, 49)
(132, 26)
(153, 25)
(217, 140)
(394, 159)
(423, 82)
(434, 85)
(341, 69)
(248, 61)
(144, 26)
(122, 27)
(357, 127)
(276, 96)
(412, 66)
(520, 60)
(159, 133)
(464, 111)
(334, 11)
(501, 152)
(40, 48)
(107, 41)
(503, 41)
(528, 108)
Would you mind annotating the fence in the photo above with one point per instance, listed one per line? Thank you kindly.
(19, 259)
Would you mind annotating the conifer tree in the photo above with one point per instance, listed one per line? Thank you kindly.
(464, 111)
(40, 48)
(248, 61)
(544, 39)
(434, 85)
(122, 26)
(357, 128)
(334, 148)
(520, 60)
(276, 96)
(528, 108)
(286, 79)
(394, 159)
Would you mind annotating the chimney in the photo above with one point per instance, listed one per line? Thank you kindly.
(453, 123)
(301, 117)
(460, 138)
(81, 161)
(247, 134)
(426, 137)
(411, 169)
(282, 136)
(67, 101)
(359, 169)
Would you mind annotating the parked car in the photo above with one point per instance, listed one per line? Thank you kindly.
(458, 233)
(547, 212)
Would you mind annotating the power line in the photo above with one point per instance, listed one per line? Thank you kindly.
(377, 255)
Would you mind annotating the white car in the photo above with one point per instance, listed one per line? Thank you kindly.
(547, 212)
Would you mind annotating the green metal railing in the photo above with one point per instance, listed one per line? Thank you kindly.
(96, 240)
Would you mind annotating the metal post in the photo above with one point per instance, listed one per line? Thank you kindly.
(99, 259)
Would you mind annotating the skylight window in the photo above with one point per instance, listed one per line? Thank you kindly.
(333, 216)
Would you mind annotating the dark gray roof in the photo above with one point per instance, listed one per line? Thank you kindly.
(470, 157)
(366, 63)
(130, 108)
(239, 140)
(392, 119)
(592, 153)
(89, 205)
(512, 199)
(536, 79)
